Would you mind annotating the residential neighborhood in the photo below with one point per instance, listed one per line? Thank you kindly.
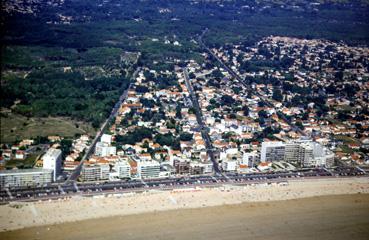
(161, 128)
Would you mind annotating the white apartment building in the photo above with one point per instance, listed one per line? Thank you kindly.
(208, 167)
(103, 149)
(95, 172)
(52, 160)
(148, 169)
(229, 165)
(315, 154)
(272, 151)
(302, 153)
(106, 138)
(251, 159)
(25, 177)
(293, 153)
(123, 169)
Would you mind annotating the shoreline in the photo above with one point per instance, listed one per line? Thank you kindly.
(22, 215)
(320, 217)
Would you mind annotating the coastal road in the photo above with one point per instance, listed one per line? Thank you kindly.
(264, 99)
(204, 130)
(74, 175)
(67, 190)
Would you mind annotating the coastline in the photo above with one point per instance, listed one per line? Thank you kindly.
(324, 217)
(35, 214)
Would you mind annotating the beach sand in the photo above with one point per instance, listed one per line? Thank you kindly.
(324, 217)
(151, 205)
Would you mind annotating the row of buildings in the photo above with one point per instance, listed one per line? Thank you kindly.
(300, 153)
(303, 153)
(134, 168)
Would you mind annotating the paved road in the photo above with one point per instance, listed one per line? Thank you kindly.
(265, 100)
(200, 121)
(74, 175)
(37, 148)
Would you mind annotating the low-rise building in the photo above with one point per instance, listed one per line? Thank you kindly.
(20, 155)
(106, 138)
(230, 165)
(103, 149)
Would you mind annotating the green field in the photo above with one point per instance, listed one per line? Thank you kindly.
(345, 139)
(346, 149)
(16, 127)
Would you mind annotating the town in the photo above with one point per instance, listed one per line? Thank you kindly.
(184, 119)
(195, 118)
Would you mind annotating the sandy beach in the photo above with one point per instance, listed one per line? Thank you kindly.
(325, 217)
(32, 214)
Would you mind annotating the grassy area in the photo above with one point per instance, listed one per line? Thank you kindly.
(346, 149)
(16, 127)
(345, 139)
(334, 121)
(345, 108)
(29, 162)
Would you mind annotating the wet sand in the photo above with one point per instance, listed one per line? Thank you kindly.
(322, 217)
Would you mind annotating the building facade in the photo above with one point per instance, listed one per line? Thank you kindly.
(272, 151)
(300, 153)
(52, 160)
(250, 159)
(123, 169)
(95, 172)
(148, 169)
(103, 149)
(25, 178)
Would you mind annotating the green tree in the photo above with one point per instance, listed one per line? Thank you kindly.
(277, 95)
